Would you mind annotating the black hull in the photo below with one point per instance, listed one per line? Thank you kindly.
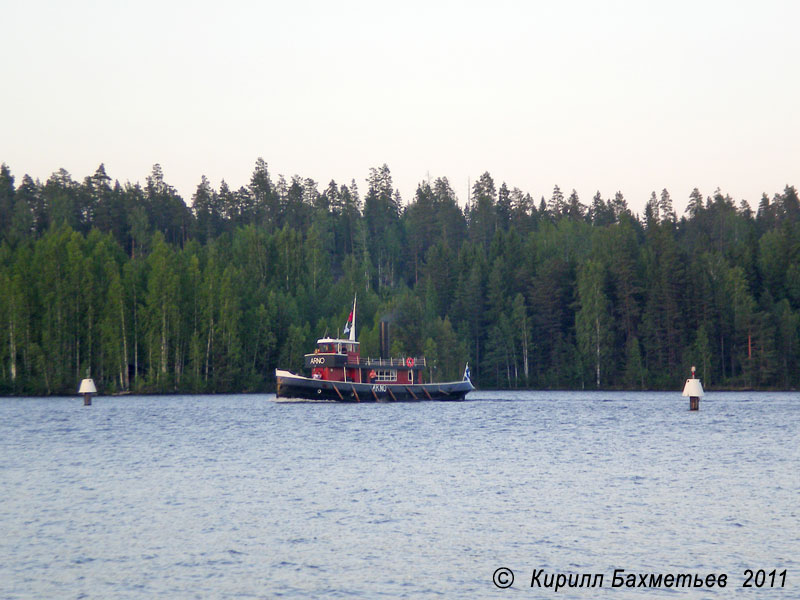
(296, 387)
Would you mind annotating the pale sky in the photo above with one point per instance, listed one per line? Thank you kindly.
(592, 95)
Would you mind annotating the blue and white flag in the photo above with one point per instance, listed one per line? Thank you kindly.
(466, 373)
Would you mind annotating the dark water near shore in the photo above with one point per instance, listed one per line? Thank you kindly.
(242, 497)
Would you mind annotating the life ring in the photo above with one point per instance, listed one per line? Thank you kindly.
(409, 362)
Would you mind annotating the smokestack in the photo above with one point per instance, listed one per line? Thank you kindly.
(384, 339)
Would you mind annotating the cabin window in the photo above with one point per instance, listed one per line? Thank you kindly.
(411, 377)
(386, 375)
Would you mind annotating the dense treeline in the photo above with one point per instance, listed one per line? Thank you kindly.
(129, 285)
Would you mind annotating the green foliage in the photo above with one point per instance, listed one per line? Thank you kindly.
(592, 321)
(129, 285)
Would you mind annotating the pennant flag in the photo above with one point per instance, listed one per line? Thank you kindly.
(466, 373)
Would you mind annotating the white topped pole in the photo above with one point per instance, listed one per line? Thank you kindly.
(694, 390)
(87, 388)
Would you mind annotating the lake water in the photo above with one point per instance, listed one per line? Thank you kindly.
(243, 497)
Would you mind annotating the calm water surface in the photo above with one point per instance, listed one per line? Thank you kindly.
(243, 497)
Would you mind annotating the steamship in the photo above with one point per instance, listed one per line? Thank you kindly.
(339, 374)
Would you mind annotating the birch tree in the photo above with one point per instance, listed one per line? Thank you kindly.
(592, 319)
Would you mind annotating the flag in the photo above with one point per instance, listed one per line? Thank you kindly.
(349, 323)
(466, 373)
(350, 326)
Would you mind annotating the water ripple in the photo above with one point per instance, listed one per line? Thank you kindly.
(239, 496)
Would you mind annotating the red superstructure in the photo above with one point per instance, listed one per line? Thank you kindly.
(340, 360)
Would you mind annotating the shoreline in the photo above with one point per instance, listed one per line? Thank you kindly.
(493, 391)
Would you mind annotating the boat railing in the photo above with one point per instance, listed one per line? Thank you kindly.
(391, 362)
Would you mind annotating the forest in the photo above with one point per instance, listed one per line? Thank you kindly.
(144, 292)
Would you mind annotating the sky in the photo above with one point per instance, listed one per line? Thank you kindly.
(630, 96)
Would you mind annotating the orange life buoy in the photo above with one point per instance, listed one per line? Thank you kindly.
(409, 362)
